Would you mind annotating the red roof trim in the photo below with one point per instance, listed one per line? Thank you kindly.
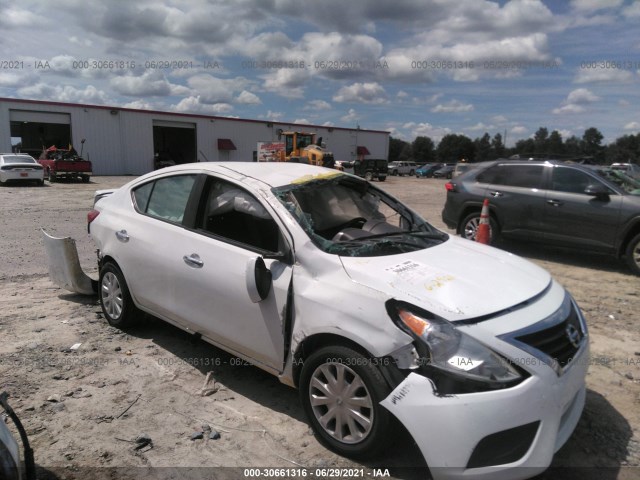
(289, 126)
(226, 144)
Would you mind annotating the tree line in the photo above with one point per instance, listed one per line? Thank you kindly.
(454, 147)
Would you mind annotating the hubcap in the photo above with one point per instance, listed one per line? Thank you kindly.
(471, 228)
(636, 254)
(341, 403)
(112, 295)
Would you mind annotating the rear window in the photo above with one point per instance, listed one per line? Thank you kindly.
(166, 198)
(17, 159)
(524, 176)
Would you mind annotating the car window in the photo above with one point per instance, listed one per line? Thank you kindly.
(166, 198)
(570, 180)
(17, 159)
(232, 213)
(525, 176)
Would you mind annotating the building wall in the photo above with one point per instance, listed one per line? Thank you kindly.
(120, 141)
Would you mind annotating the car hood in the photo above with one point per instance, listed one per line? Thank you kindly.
(456, 280)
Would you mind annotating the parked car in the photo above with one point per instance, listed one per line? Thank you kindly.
(462, 167)
(402, 168)
(444, 172)
(371, 168)
(426, 170)
(342, 291)
(550, 202)
(20, 167)
(631, 169)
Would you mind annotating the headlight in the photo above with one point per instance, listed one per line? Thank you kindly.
(451, 351)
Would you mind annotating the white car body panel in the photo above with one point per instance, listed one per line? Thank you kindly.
(28, 170)
(456, 280)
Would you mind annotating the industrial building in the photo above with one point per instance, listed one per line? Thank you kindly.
(124, 141)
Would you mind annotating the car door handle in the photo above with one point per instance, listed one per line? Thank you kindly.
(123, 236)
(193, 260)
(555, 203)
(496, 194)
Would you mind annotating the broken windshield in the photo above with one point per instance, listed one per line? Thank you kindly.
(348, 216)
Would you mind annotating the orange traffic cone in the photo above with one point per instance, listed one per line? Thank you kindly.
(483, 234)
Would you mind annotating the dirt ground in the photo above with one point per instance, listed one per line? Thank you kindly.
(83, 408)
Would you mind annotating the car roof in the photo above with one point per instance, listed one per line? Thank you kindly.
(274, 174)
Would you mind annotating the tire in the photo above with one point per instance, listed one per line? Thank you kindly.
(115, 299)
(469, 225)
(368, 176)
(382, 178)
(51, 176)
(85, 178)
(394, 173)
(366, 425)
(41, 183)
(633, 254)
(412, 173)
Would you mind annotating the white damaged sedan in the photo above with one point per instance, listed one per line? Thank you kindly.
(342, 291)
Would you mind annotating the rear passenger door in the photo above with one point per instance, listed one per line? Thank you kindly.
(515, 191)
(573, 217)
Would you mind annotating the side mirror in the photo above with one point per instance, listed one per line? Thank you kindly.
(258, 279)
(597, 190)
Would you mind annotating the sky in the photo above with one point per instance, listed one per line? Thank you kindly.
(410, 67)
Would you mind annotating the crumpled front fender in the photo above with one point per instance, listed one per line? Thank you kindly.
(64, 265)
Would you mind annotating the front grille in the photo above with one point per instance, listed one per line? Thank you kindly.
(560, 341)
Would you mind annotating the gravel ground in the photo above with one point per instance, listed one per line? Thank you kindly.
(83, 408)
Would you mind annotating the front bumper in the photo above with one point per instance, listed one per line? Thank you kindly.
(448, 429)
(511, 433)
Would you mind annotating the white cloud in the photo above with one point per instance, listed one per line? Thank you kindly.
(582, 96)
(362, 93)
(594, 5)
(67, 94)
(351, 116)
(150, 83)
(196, 105)
(248, 98)
(317, 105)
(275, 116)
(481, 127)
(576, 102)
(632, 126)
(632, 11)
(454, 106)
(603, 75)
(286, 82)
(302, 121)
(15, 17)
(139, 105)
(17, 79)
(213, 90)
(425, 130)
(402, 94)
(518, 130)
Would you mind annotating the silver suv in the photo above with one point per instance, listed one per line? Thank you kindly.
(403, 168)
(549, 202)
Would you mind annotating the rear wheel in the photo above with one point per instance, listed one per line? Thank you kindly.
(341, 392)
(117, 305)
(411, 173)
(469, 227)
(633, 254)
(51, 176)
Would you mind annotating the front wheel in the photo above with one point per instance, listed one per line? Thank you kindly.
(469, 227)
(51, 176)
(341, 392)
(633, 254)
(368, 176)
(411, 173)
(115, 299)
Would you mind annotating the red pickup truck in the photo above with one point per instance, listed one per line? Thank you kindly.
(61, 163)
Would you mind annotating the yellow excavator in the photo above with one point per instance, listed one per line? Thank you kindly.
(302, 147)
